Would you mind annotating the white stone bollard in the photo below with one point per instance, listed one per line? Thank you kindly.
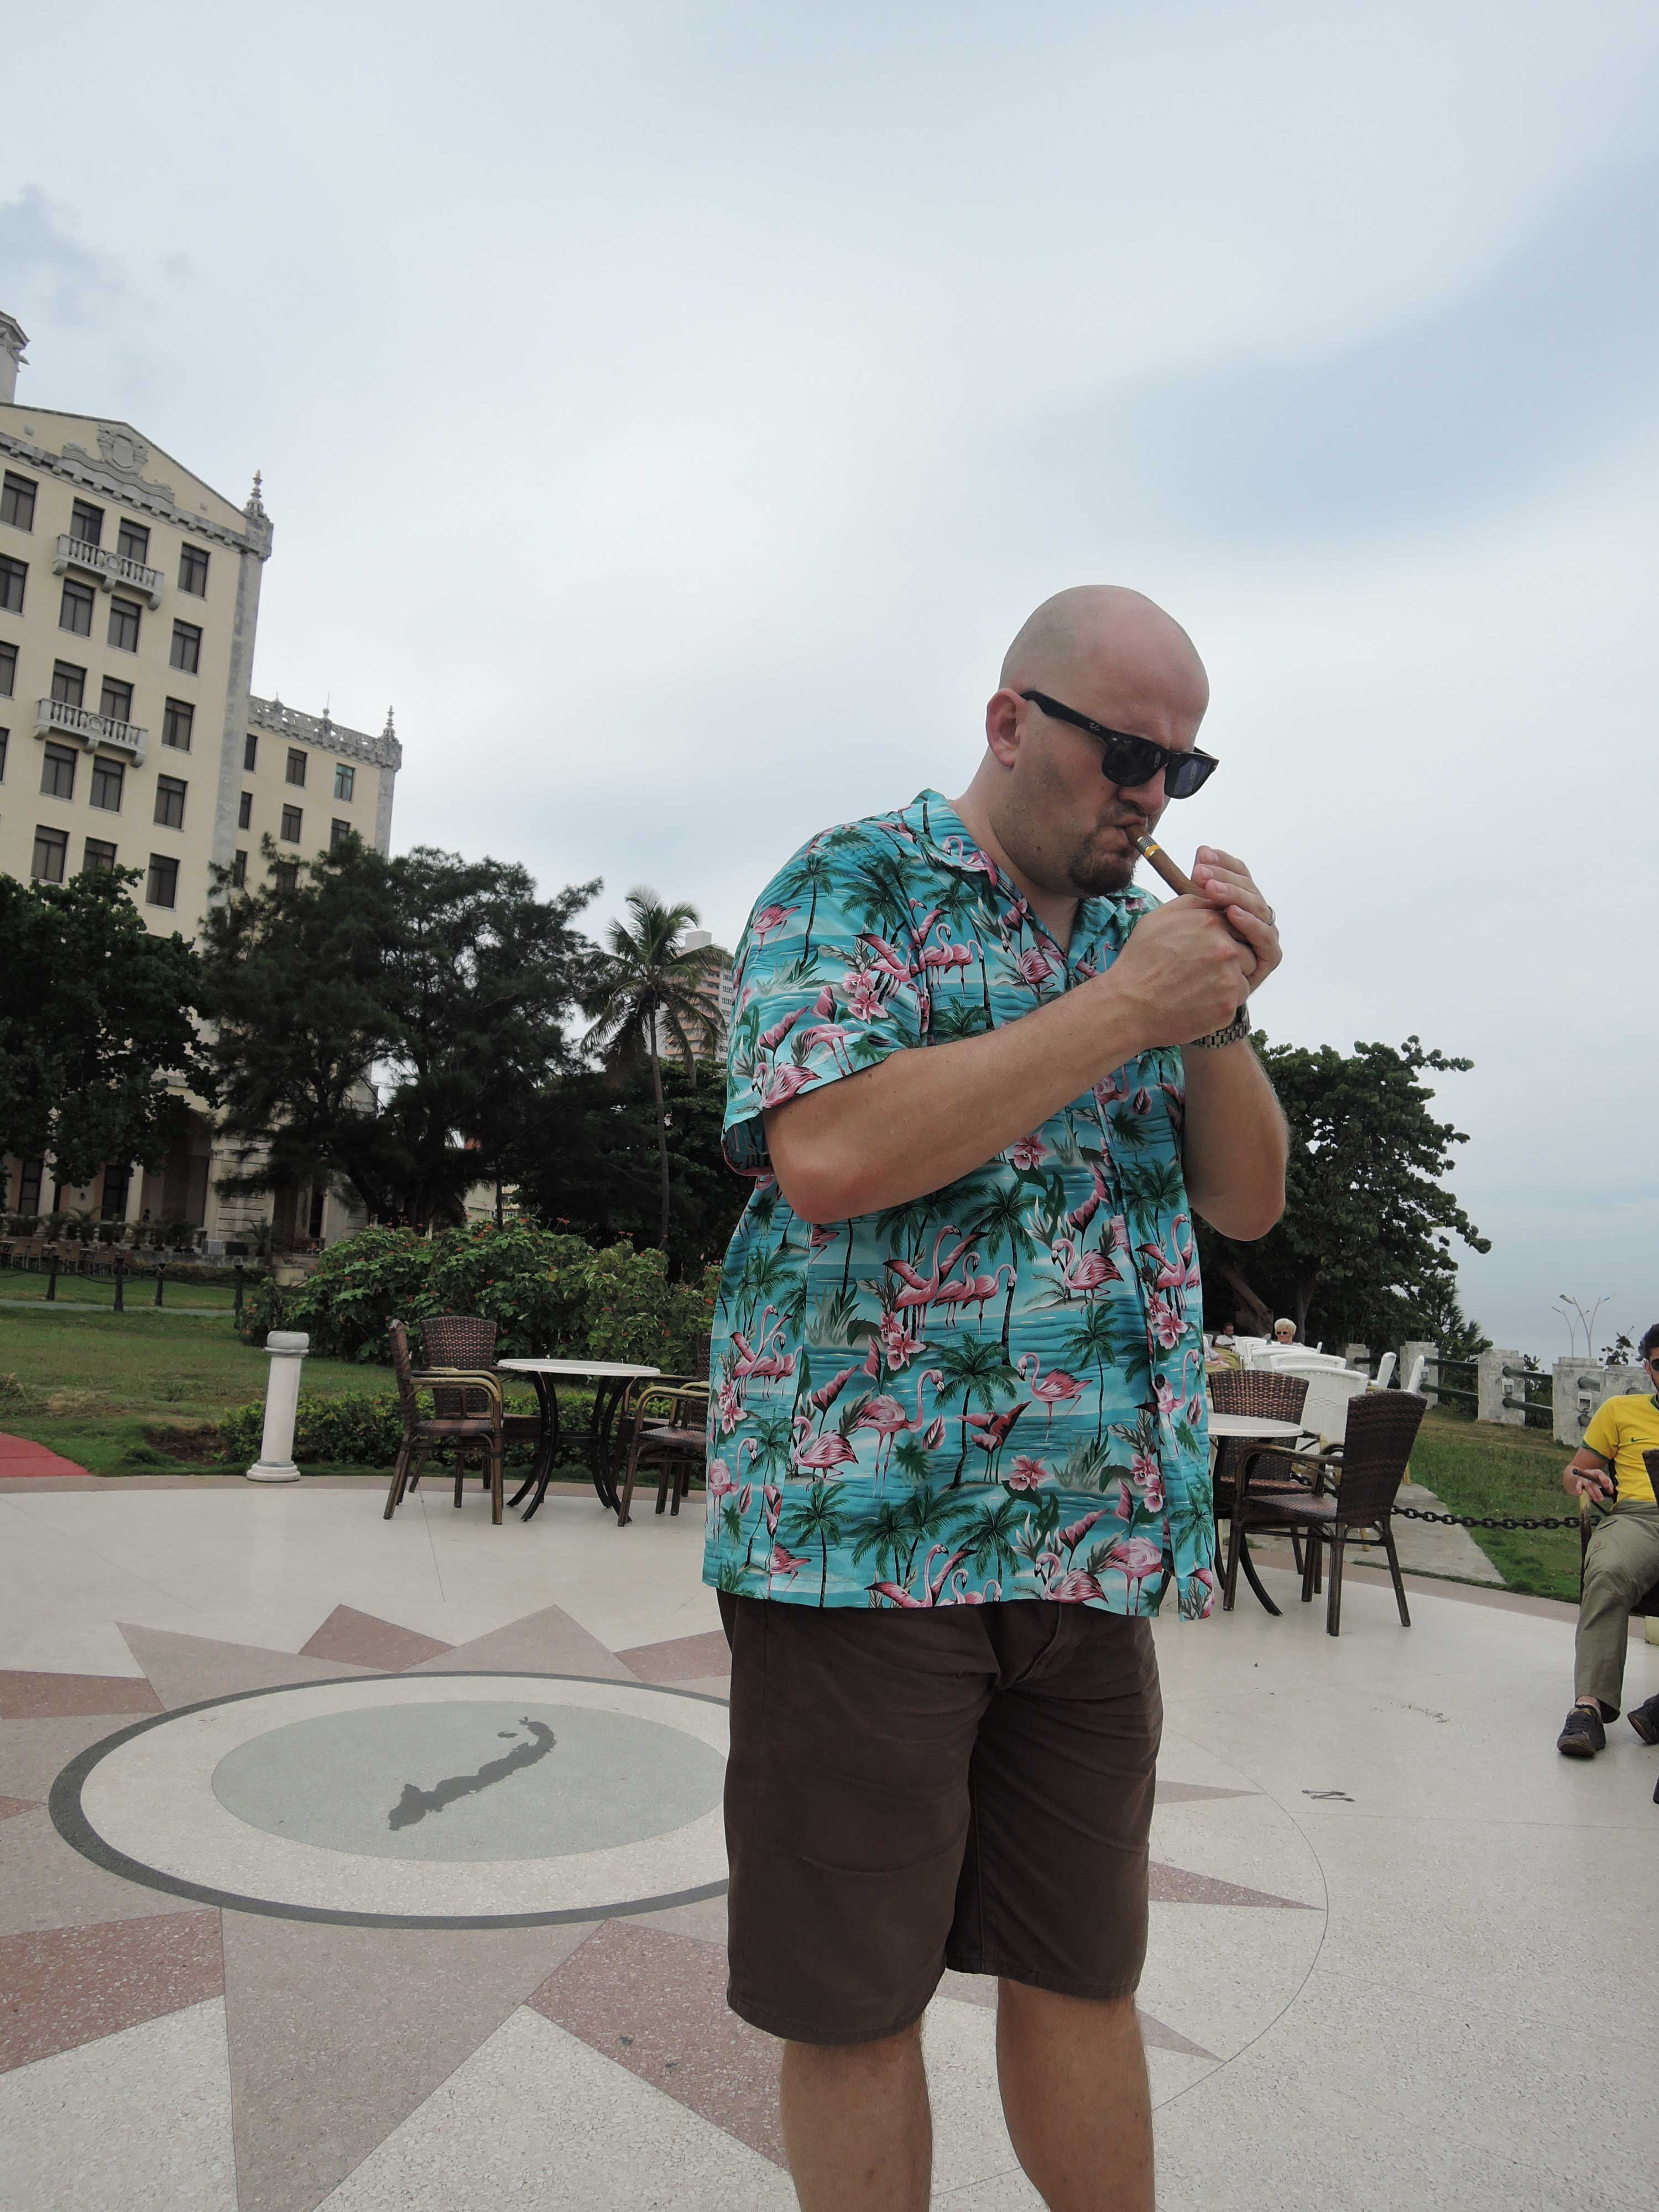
(1499, 1398)
(287, 1347)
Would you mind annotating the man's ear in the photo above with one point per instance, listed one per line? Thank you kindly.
(1002, 735)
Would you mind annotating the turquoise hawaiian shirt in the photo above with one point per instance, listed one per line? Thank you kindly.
(995, 1391)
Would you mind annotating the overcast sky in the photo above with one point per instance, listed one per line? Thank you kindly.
(675, 408)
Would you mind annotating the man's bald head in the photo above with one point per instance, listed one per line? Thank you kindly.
(1104, 634)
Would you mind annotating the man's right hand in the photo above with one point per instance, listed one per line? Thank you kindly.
(1595, 1483)
(1183, 971)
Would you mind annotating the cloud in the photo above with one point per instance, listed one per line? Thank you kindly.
(45, 269)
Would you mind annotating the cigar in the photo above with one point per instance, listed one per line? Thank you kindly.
(1149, 850)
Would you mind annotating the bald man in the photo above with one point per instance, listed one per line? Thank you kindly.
(956, 1448)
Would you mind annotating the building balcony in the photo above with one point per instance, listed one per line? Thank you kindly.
(56, 716)
(108, 568)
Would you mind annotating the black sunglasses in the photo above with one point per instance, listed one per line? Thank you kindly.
(1131, 761)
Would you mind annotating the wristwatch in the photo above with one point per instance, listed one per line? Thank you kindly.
(1238, 1028)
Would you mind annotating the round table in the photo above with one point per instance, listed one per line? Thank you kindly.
(612, 1377)
(1255, 1428)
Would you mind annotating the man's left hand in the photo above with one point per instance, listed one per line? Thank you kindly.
(1228, 884)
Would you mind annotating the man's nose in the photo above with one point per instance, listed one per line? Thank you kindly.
(1147, 797)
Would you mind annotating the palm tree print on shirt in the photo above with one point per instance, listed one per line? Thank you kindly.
(991, 1392)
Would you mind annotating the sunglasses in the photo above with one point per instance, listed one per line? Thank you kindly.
(1131, 761)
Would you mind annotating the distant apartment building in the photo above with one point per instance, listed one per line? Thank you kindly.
(716, 996)
(129, 736)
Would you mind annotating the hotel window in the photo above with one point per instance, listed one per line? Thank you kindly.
(178, 720)
(98, 858)
(186, 652)
(286, 875)
(170, 802)
(245, 810)
(162, 887)
(250, 752)
(58, 772)
(296, 768)
(117, 1188)
(345, 780)
(338, 834)
(28, 1186)
(8, 670)
(69, 684)
(238, 871)
(5, 740)
(13, 574)
(17, 502)
(292, 820)
(86, 523)
(192, 570)
(75, 615)
(115, 700)
(132, 542)
(51, 855)
(123, 617)
(108, 777)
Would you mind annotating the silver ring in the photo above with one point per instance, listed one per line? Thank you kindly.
(1272, 918)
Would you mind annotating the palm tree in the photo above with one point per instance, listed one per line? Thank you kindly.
(926, 1514)
(999, 1222)
(992, 1532)
(651, 986)
(885, 1536)
(1094, 1338)
(979, 1370)
(814, 1520)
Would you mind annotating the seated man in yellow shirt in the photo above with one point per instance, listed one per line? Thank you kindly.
(1622, 1562)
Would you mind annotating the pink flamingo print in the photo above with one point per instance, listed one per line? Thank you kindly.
(1034, 968)
(984, 1287)
(749, 1355)
(826, 1396)
(921, 1291)
(1083, 1274)
(990, 1432)
(783, 1084)
(960, 1594)
(932, 1584)
(1135, 1557)
(959, 1292)
(1056, 1388)
(889, 1418)
(836, 1036)
(891, 961)
(830, 1450)
(947, 954)
(1072, 1588)
(769, 919)
(786, 1563)
(1081, 1216)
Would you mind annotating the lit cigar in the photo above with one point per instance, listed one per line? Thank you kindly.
(1149, 850)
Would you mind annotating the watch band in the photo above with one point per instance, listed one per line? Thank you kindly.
(1233, 1033)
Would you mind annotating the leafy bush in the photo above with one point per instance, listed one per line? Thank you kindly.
(547, 1293)
(355, 1429)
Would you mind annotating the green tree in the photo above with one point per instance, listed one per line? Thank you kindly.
(95, 1015)
(978, 1370)
(814, 1520)
(1364, 1246)
(652, 988)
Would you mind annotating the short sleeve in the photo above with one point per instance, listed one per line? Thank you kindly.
(826, 984)
(1602, 1434)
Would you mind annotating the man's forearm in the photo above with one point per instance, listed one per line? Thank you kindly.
(1235, 1146)
(923, 1118)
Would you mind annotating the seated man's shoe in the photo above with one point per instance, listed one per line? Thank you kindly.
(1583, 1734)
(1645, 1719)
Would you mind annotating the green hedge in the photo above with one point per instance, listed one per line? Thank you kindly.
(359, 1428)
(546, 1293)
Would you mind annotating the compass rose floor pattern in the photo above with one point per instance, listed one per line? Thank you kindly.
(359, 1866)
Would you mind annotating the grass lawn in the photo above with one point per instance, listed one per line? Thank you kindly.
(1476, 1467)
(179, 1294)
(134, 1393)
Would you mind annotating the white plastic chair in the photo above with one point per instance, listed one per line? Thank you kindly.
(1414, 1379)
(1385, 1367)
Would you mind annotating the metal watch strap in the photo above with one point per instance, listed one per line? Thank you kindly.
(1236, 1030)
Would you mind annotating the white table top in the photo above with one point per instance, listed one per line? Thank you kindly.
(1245, 1425)
(601, 1368)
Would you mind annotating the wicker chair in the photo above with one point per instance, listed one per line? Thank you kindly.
(468, 1341)
(1370, 1465)
(1646, 1606)
(466, 1416)
(667, 1422)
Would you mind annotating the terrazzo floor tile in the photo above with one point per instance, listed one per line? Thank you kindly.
(45, 1883)
(66, 1986)
(187, 1668)
(538, 2118)
(545, 1643)
(29, 1696)
(364, 1640)
(337, 2034)
(10, 1807)
(139, 2122)
(681, 1658)
(655, 2003)
(33, 1753)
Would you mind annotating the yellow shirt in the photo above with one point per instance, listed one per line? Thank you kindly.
(1621, 1430)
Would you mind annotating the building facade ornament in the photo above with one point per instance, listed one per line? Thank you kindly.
(76, 466)
(384, 751)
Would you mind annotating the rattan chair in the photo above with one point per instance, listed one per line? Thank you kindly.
(467, 1341)
(1368, 1466)
(669, 1426)
(1261, 1392)
(466, 1418)
(1646, 1606)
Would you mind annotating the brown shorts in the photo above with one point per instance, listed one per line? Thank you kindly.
(970, 1789)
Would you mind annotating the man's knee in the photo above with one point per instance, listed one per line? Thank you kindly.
(886, 2053)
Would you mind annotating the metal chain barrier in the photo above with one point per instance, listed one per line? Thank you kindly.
(1475, 1520)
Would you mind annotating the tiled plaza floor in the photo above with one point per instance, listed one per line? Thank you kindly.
(366, 1866)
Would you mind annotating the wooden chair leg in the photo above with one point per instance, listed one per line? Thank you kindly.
(497, 1479)
(460, 1470)
(417, 1465)
(394, 1496)
(1334, 1602)
(1394, 1569)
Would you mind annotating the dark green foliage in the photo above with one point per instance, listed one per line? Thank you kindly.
(95, 1015)
(1363, 1251)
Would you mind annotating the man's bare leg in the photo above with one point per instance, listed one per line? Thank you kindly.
(856, 2125)
(1075, 2096)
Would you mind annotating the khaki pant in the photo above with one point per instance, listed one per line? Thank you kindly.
(1621, 1564)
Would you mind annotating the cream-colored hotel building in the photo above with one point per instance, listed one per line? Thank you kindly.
(131, 737)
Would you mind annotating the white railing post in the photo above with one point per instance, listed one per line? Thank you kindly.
(287, 1347)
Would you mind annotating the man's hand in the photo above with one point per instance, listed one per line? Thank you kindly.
(1231, 889)
(1595, 1483)
(1183, 970)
